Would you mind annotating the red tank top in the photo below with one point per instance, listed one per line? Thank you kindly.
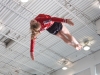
(46, 20)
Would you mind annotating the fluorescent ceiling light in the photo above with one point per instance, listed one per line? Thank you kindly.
(24, 0)
(64, 68)
(99, 6)
(86, 47)
(1, 27)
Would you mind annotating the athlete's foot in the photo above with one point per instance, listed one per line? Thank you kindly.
(78, 47)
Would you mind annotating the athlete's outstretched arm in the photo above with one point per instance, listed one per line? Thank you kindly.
(32, 45)
(62, 20)
(56, 19)
(32, 48)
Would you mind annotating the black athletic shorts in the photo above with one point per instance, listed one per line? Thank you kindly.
(55, 28)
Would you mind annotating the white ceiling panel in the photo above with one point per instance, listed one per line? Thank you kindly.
(8, 52)
(76, 56)
(14, 55)
(80, 4)
(62, 49)
(86, 72)
(82, 34)
(2, 49)
(50, 40)
(37, 66)
(1, 58)
(52, 54)
(19, 48)
(46, 61)
(5, 60)
(97, 69)
(2, 64)
(94, 10)
(24, 59)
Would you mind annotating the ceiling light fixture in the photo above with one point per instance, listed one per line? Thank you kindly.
(86, 47)
(1, 25)
(65, 63)
(24, 0)
(87, 44)
(64, 68)
(99, 6)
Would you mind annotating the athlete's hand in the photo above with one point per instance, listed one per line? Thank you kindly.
(70, 22)
(32, 55)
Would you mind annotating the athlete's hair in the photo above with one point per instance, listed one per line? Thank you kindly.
(34, 27)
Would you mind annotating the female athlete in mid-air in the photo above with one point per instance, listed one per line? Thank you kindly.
(54, 26)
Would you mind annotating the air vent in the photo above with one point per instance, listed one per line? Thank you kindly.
(34, 74)
(99, 34)
(8, 42)
(64, 62)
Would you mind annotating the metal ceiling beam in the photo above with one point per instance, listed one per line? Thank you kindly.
(14, 11)
(25, 7)
(73, 14)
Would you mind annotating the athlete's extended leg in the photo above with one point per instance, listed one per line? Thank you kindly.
(65, 39)
(66, 32)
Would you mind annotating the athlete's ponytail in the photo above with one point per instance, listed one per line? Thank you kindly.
(34, 26)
